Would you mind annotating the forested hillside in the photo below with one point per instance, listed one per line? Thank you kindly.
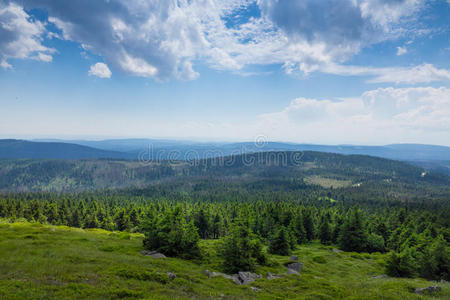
(16, 149)
(234, 214)
(430, 157)
(290, 171)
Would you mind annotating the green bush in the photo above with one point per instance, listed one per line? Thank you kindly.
(402, 264)
(375, 243)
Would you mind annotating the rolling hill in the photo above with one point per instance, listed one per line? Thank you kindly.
(405, 152)
(302, 172)
(436, 158)
(11, 149)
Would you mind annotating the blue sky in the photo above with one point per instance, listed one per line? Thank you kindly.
(332, 71)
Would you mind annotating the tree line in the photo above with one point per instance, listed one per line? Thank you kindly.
(416, 237)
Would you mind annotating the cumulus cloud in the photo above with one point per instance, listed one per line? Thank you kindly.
(100, 70)
(381, 115)
(166, 38)
(341, 27)
(5, 65)
(424, 73)
(21, 36)
(401, 51)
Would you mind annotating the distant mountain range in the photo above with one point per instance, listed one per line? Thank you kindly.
(426, 156)
(13, 149)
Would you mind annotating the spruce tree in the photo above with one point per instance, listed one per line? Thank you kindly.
(240, 249)
(308, 224)
(280, 242)
(172, 235)
(353, 236)
(325, 230)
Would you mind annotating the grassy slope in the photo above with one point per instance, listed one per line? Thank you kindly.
(39, 261)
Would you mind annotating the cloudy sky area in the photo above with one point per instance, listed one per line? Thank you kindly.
(330, 72)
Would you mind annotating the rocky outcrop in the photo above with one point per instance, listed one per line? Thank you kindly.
(428, 290)
(153, 254)
(294, 258)
(240, 278)
(294, 268)
(290, 272)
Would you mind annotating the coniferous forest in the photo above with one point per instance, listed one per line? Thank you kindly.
(259, 210)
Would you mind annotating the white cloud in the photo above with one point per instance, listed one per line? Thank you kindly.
(5, 65)
(419, 74)
(165, 38)
(424, 73)
(401, 51)
(378, 116)
(100, 70)
(43, 57)
(21, 36)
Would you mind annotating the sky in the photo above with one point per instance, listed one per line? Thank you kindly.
(366, 72)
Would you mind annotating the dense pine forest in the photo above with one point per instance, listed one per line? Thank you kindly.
(267, 207)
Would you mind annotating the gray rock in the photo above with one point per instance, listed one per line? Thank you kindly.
(294, 257)
(290, 272)
(382, 276)
(430, 290)
(443, 281)
(171, 275)
(295, 266)
(271, 276)
(157, 255)
(336, 250)
(153, 254)
(245, 278)
(240, 278)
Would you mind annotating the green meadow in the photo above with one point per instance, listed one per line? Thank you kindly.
(57, 262)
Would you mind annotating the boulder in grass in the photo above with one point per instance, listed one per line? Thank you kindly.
(158, 255)
(336, 250)
(290, 272)
(295, 266)
(428, 290)
(171, 275)
(243, 278)
(382, 276)
(294, 258)
(153, 254)
(271, 276)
